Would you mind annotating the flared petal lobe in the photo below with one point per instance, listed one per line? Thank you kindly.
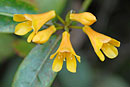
(65, 52)
(58, 63)
(85, 18)
(30, 37)
(71, 63)
(102, 42)
(115, 42)
(23, 28)
(109, 50)
(44, 35)
(38, 20)
(66, 46)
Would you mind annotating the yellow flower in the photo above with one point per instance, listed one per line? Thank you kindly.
(85, 18)
(102, 42)
(31, 21)
(65, 50)
(44, 35)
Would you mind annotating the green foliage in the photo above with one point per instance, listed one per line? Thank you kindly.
(22, 48)
(35, 70)
(11, 66)
(6, 48)
(16, 7)
(7, 25)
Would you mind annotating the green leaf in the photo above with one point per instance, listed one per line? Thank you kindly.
(16, 7)
(7, 25)
(36, 69)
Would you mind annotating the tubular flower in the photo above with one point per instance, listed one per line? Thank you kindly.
(31, 21)
(102, 42)
(44, 35)
(65, 50)
(85, 18)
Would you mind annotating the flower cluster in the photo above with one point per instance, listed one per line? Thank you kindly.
(34, 22)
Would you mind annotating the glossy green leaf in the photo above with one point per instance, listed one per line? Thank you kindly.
(16, 7)
(36, 69)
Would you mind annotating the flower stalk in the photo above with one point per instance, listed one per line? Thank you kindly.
(60, 19)
(76, 27)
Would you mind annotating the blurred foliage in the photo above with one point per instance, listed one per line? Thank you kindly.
(22, 48)
(7, 76)
(6, 49)
(46, 5)
(16, 7)
(7, 24)
(112, 81)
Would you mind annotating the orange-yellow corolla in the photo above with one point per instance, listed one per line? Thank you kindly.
(65, 52)
(102, 42)
(31, 22)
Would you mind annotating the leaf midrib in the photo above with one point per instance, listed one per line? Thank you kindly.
(38, 70)
(6, 14)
